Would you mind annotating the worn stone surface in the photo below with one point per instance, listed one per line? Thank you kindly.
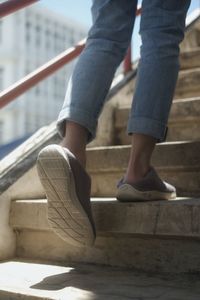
(147, 253)
(177, 163)
(127, 234)
(178, 218)
(89, 282)
(192, 35)
(188, 84)
(183, 124)
(190, 59)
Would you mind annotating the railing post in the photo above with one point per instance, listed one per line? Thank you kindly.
(128, 61)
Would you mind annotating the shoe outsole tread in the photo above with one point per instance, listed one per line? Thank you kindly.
(66, 216)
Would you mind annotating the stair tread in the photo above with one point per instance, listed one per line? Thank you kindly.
(43, 280)
(178, 218)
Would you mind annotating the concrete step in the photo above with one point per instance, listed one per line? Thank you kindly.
(176, 162)
(188, 84)
(190, 59)
(187, 87)
(127, 234)
(184, 122)
(44, 281)
(192, 34)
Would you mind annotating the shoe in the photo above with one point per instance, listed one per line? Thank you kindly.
(67, 187)
(151, 187)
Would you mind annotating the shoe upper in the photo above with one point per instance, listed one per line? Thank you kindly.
(82, 184)
(150, 182)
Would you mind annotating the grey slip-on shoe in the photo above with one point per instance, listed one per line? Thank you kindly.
(151, 187)
(67, 187)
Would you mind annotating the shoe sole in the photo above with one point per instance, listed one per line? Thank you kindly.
(128, 193)
(65, 213)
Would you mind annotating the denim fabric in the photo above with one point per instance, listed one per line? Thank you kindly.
(162, 29)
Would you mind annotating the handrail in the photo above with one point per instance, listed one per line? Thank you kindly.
(128, 57)
(39, 74)
(11, 6)
(30, 80)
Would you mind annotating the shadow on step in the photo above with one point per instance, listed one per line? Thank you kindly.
(93, 282)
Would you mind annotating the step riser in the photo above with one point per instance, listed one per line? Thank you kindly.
(127, 235)
(187, 87)
(155, 255)
(183, 124)
(188, 84)
(184, 131)
(186, 182)
(179, 164)
(177, 131)
(177, 218)
(190, 59)
(192, 39)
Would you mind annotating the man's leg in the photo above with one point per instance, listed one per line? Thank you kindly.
(106, 46)
(162, 29)
(62, 169)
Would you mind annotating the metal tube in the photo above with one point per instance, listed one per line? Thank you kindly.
(47, 69)
(128, 58)
(39, 74)
(11, 6)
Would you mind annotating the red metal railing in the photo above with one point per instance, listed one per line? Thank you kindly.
(11, 6)
(21, 86)
(39, 74)
(128, 57)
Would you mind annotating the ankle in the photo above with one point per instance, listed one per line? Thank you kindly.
(140, 157)
(136, 173)
(80, 154)
(75, 140)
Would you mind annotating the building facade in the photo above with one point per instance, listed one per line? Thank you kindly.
(28, 39)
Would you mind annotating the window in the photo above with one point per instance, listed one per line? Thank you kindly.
(47, 36)
(28, 29)
(28, 25)
(38, 35)
(1, 78)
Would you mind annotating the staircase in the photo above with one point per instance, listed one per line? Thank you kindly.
(158, 237)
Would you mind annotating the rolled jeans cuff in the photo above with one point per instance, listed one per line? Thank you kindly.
(147, 126)
(78, 116)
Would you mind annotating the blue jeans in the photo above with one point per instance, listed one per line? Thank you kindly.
(162, 29)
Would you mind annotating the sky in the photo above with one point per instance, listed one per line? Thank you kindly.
(79, 11)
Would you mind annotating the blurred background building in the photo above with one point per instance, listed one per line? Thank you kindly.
(28, 39)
